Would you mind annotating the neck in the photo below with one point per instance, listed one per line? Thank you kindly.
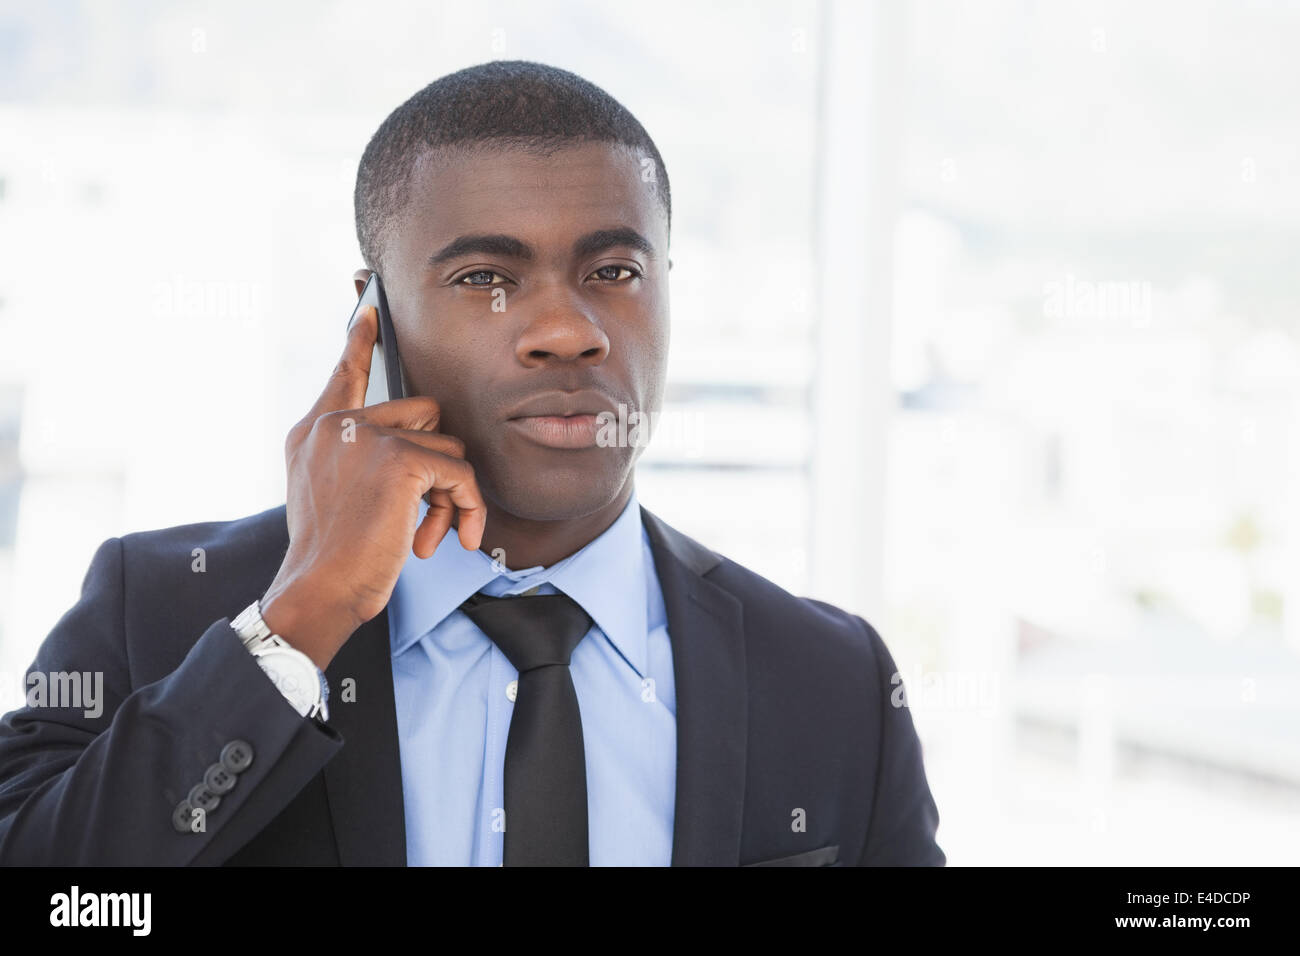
(526, 543)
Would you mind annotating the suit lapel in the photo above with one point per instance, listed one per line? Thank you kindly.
(364, 779)
(705, 628)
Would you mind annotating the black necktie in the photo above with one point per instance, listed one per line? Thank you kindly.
(545, 779)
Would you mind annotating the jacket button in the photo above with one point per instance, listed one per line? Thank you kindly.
(203, 798)
(219, 780)
(182, 816)
(237, 755)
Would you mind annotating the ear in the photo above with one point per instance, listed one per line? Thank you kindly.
(360, 278)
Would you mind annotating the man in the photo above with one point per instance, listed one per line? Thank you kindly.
(485, 651)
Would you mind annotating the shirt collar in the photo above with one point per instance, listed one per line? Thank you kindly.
(607, 578)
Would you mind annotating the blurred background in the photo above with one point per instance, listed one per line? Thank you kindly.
(984, 327)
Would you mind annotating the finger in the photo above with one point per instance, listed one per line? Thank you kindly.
(434, 441)
(435, 524)
(472, 514)
(456, 477)
(418, 412)
(346, 387)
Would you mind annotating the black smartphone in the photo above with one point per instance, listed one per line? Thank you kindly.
(387, 377)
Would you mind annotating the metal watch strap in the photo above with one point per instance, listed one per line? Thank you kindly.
(258, 639)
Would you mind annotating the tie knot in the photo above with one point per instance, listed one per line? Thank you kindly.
(532, 631)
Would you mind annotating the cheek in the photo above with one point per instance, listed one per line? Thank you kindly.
(439, 374)
(440, 355)
(652, 364)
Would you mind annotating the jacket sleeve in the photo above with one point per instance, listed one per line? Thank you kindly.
(94, 771)
(904, 817)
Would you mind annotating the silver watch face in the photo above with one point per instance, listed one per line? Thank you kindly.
(295, 675)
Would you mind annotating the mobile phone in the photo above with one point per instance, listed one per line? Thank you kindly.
(387, 377)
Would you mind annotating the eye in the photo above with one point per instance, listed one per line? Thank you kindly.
(631, 273)
(479, 272)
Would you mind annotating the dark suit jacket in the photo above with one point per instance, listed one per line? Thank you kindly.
(789, 748)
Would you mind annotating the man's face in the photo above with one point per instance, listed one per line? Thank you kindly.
(568, 319)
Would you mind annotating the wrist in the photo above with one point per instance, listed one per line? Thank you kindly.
(300, 679)
(301, 622)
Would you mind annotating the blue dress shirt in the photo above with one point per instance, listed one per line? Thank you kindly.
(454, 690)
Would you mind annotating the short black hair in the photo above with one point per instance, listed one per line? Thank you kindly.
(516, 104)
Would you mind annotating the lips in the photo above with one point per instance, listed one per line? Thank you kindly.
(553, 431)
(568, 420)
(563, 405)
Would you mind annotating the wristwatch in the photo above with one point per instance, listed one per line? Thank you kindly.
(293, 672)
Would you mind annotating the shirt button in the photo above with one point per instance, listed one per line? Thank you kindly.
(512, 689)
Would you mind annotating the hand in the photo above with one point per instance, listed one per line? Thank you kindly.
(355, 479)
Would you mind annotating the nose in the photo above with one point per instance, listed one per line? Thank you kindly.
(562, 333)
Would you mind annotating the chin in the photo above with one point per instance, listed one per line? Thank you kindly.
(559, 494)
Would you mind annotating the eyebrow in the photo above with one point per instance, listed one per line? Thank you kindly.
(499, 244)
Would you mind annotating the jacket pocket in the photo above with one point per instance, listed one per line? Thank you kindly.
(822, 856)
